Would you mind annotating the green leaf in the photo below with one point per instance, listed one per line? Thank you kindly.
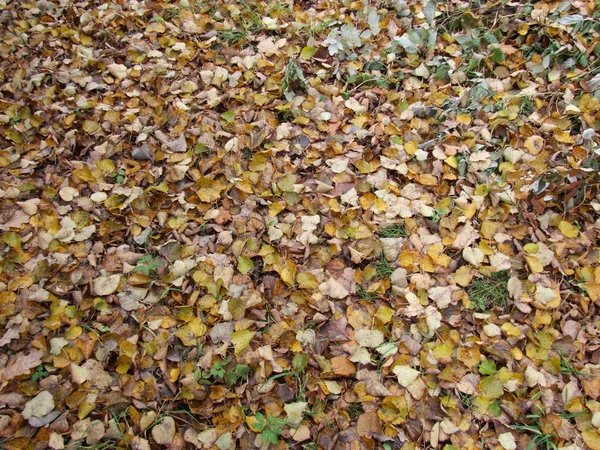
(307, 53)
(217, 369)
(497, 55)
(228, 116)
(12, 239)
(269, 436)
(487, 367)
(300, 362)
(260, 420)
(241, 340)
(240, 372)
(15, 136)
(245, 264)
(491, 387)
(495, 409)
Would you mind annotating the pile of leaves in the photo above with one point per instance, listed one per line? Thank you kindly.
(299, 224)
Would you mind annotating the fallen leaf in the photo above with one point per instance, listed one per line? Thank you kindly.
(106, 285)
(241, 340)
(334, 289)
(39, 406)
(164, 432)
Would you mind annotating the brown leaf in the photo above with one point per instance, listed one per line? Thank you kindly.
(342, 366)
(22, 364)
(368, 424)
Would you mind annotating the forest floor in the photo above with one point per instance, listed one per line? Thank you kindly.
(299, 224)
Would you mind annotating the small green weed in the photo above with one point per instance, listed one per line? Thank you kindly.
(299, 364)
(39, 373)
(466, 400)
(146, 264)
(539, 439)
(393, 231)
(355, 410)
(271, 428)
(489, 292)
(232, 37)
(293, 75)
(218, 371)
(383, 268)
(310, 446)
(438, 214)
(118, 176)
(172, 13)
(526, 106)
(364, 295)
(566, 367)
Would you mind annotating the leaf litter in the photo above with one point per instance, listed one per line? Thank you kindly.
(307, 224)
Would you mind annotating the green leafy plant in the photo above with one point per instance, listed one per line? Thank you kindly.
(39, 373)
(489, 292)
(271, 428)
(118, 176)
(393, 231)
(146, 264)
(438, 213)
(218, 371)
(240, 372)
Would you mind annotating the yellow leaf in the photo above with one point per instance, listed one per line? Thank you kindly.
(534, 264)
(191, 331)
(563, 136)
(531, 248)
(384, 314)
(176, 222)
(464, 119)
(427, 179)
(442, 351)
(307, 280)
(411, 147)
(593, 290)
(241, 340)
(288, 272)
(244, 265)
(156, 27)
(470, 356)
(451, 161)
(89, 126)
(511, 330)
(392, 129)
(592, 439)
(491, 387)
(463, 276)
(534, 144)
(568, 229)
(210, 190)
(12, 239)
(307, 53)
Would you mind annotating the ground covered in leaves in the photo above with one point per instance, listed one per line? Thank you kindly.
(310, 224)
